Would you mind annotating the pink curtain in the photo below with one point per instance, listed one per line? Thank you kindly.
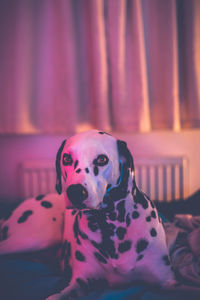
(125, 65)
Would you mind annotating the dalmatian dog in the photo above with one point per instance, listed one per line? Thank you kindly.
(109, 231)
(112, 234)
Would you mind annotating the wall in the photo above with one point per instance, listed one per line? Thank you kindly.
(15, 149)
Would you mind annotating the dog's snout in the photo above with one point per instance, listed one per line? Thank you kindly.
(77, 193)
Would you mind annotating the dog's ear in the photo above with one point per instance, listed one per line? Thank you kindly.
(126, 165)
(125, 156)
(58, 168)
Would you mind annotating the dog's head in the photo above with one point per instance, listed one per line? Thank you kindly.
(96, 168)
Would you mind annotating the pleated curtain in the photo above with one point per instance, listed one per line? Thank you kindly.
(123, 65)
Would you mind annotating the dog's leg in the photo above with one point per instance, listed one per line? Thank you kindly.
(80, 286)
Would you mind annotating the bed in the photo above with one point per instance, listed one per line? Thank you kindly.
(21, 277)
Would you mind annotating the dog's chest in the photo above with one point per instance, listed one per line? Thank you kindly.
(116, 239)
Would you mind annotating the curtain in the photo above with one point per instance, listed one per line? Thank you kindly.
(124, 65)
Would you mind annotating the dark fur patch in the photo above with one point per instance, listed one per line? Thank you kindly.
(54, 219)
(106, 247)
(166, 260)
(148, 219)
(4, 232)
(140, 199)
(96, 170)
(153, 232)
(124, 246)
(75, 164)
(141, 245)
(100, 258)
(58, 168)
(46, 204)
(78, 171)
(121, 211)
(140, 257)
(128, 220)
(39, 197)
(79, 256)
(153, 214)
(113, 216)
(25, 216)
(121, 231)
(65, 255)
(87, 170)
(152, 205)
(135, 215)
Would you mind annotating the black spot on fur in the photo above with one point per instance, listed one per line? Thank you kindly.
(83, 235)
(135, 206)
(76, 230)
(78, 171)
(153, 232)
(140, 199)
(87, 170)
(46, 204)
(100, 258)
(166, 260)
(140, 257)
(121, 231)
(58, 168)
(54, 219)
(73, 212)
(153, 214)
(141, 245)
(135, 215)
(25, 216)
(39, 197)
(66, 250)
(101, 132)
(124, 246)
(113, 216)
(79, 256)
(148, 219)
(96, 170)
(152, 205)
(65, 255)
(75, 164)
(128, 220)
(4, 232)
(66, 174)
(121, 211)
(106, 247)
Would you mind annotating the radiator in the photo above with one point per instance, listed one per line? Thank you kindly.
(161, 178)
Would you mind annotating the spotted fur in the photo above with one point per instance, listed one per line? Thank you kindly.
(108, 229)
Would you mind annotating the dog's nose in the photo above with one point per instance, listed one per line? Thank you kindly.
(77, 194)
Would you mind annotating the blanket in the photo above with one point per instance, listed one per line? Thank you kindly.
(183, 239)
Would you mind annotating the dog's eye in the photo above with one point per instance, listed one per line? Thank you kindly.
(101, 160)
(67, 159)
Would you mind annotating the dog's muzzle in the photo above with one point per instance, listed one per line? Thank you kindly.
(77, 193)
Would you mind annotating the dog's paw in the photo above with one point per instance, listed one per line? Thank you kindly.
(170, 284)
(54, 297)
